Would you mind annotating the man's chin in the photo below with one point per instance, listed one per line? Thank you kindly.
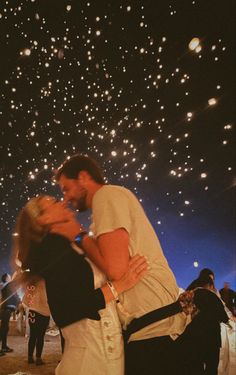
(80, 206)
(82, 209)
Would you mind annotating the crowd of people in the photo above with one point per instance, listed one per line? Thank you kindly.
(118, 312)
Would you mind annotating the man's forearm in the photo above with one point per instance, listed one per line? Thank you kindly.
(72, 231)
(109, 252)
(112, 269)
(93, 252)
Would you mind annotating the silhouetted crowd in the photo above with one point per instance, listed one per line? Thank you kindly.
(198, 346)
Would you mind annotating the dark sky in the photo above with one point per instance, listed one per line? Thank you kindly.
(118, 81)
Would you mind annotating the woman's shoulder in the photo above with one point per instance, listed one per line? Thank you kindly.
(53, 239)
(55, 248)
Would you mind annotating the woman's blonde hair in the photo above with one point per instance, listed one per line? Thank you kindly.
(28, 233)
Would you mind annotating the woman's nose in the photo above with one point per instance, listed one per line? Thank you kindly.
(64, 202)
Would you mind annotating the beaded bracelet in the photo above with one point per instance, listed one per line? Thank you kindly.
(114, 291)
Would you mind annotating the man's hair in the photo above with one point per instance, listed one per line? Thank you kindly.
(77, 163)
(206, 272)
(4, 277)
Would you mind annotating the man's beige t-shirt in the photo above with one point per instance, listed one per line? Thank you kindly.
(115, 207)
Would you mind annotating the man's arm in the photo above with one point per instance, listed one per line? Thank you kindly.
(109, 251)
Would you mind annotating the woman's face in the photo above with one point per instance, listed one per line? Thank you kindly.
(53, 211)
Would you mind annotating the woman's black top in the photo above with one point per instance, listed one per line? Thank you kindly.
(69, 281)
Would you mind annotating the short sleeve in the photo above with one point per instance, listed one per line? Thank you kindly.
(110, 210)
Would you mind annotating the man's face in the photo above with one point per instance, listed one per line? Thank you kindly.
(74, 192)
(226, 285)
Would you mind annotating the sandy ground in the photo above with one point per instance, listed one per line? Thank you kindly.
(16, 362)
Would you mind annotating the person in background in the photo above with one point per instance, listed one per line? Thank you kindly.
(120, 229)
(229, 297)
(20, 313)
(82, 304)
(202, 279)
(198, 348)
(204, 273)
(35, 299)
(9, 303)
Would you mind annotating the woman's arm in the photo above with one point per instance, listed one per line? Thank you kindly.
(70, 284)
(137, 267)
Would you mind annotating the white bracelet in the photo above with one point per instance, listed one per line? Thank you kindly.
(114, 291)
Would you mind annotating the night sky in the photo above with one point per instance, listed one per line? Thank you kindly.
(145, 87)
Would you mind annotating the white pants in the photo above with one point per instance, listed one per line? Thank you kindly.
(227, 363)
(93, 347)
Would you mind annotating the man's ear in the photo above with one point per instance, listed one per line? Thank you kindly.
(83, 178)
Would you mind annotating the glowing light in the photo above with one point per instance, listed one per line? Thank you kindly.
(196, 264)
(84, 105)
(198, 49)
(228, 127)
(194, 43)
(212, 101)
(26, 52)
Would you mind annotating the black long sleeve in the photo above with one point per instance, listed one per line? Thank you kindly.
(69, 281)
(210, 305)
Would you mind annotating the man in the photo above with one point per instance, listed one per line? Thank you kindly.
(9, 301)
(120, 230)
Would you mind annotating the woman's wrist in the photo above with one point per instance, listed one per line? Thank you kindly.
(113, 290)
(118, 286)
(108, 296)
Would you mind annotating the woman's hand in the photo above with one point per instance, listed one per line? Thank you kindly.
(137, 268)
(57, 214)
(68, 229)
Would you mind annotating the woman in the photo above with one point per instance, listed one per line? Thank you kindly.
(198, 347)
(35, 299)
(93, 339)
